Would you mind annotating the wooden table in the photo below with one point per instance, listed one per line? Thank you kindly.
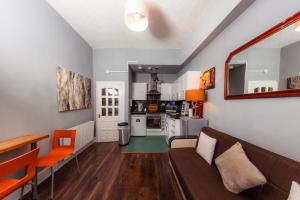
(18, 142)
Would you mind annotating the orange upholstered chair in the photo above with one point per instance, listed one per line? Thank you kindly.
(59, 152)
(9, 185)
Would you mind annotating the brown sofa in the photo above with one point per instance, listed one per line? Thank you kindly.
(198, 180)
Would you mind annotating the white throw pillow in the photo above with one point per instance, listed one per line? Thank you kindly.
(294, 192)
(206, 147)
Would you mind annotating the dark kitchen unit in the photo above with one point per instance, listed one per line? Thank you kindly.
(153, 120)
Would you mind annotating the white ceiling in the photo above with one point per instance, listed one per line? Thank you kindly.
(280, 39)
(173, 24)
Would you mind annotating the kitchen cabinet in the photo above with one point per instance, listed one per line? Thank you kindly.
(188, 81)
(191, 80)
(139, 91)
(172, 128)
(166, 92)
(181, 88)
(174, 90)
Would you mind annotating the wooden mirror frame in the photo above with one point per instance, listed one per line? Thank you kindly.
(284, 93)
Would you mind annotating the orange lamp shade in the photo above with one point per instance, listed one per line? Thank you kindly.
(195, 95)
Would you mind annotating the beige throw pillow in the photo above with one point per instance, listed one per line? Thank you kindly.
(237, 172)
(294, 192)
(206, 147)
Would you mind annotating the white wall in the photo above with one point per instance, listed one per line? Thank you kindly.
(269, 123)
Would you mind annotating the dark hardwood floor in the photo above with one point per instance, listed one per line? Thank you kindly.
(107, 173)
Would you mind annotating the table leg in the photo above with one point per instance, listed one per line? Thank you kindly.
(34, 146)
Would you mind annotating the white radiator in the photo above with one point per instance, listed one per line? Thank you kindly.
(84, 135)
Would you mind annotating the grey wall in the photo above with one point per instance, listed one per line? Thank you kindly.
(269, 123)
(144, 77)
(290, 63)
(260, 59)
(34, 41)
(116, 59)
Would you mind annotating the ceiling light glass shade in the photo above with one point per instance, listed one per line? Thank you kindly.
(136, 15)
(297, 26)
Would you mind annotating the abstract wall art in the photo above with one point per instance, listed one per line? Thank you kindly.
(73, 90)
(207, 79)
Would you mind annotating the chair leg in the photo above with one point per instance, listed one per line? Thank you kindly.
(35, 183)
(52, 182)
(22, 192)
(34, 191)
(77, 163)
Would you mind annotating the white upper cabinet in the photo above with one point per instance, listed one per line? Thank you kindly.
(192, 80)
(166, 92)
(188, 81)
(139, 91)
(174, 90)
(181, 88)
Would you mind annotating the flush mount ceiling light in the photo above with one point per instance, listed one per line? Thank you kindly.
(136, 15)
(297, 26)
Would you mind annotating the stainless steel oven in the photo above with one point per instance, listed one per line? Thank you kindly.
(153, 121)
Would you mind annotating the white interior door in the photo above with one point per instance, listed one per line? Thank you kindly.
(110, 107)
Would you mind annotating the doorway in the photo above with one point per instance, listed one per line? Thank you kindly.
(110, 99)
(237, 73)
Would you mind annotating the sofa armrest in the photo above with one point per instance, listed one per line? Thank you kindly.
(183, 141)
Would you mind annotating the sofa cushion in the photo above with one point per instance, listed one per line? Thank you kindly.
(278, 170)
(283, 172)
(206, 147)
(197, 179)
(237, 172)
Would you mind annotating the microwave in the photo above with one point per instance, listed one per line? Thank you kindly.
(171, 108)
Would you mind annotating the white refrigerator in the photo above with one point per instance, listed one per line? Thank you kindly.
(138, 125)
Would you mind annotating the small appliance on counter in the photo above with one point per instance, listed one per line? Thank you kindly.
(138, 107)
(185, 108)
(171, 108)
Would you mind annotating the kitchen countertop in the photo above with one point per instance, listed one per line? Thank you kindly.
(138, 113)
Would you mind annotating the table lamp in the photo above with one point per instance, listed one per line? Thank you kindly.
(197, 97)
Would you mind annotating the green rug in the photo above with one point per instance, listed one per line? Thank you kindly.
(147, 144)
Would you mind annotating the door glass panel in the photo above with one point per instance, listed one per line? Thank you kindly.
(103, 101)
(116, 92)
(103, 111)
(103, 92)
(110, 91)
(116, 111)
(110, 101)
(116, 101)
(110, 112)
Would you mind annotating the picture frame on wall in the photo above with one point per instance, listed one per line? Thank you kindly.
(73, 90)
(207, 79)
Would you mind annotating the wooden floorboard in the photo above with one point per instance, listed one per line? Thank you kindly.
(107, 173)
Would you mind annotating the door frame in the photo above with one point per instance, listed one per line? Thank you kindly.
(122, 83)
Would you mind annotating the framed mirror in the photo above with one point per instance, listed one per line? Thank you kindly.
(267, 66)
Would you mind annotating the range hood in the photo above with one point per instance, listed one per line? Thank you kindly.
(153, 85)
